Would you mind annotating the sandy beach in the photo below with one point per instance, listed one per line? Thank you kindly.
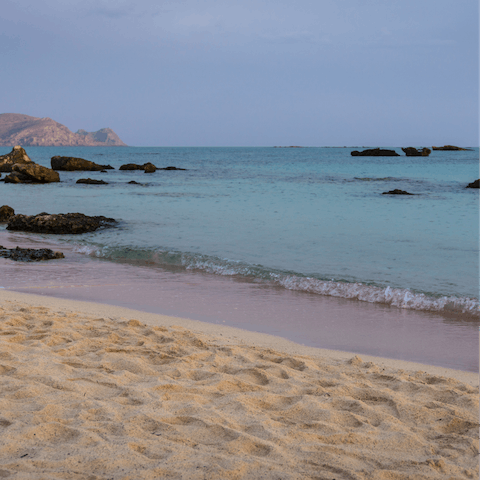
(101, 392)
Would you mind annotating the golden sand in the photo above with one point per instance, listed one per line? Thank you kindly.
(84, 396)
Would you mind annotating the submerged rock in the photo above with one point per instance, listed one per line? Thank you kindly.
(91, 181)
(397, 192)
(375, 152)
(32, 173)
(413, 152)
(172, 168)
(475, 184)
(6, 212)
(17, 156)
(69, 223)
(29, 254)
(71, 164)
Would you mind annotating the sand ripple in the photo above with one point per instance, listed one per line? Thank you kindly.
(84, 397)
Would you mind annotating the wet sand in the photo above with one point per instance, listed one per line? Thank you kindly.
(96, 391)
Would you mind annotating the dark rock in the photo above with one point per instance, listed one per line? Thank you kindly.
(103, 171)
(71, 163)
(413, 152)
(133, 182)
(6, 212)
(150, 168)
(397, 192)
(172, 168)
(132, 166)
(375, 152)
(69, 223)
(29, 254)
(17, 155)
(32, 173)
(450, 148)
(475, 184)
(17, 177)
(91, 181)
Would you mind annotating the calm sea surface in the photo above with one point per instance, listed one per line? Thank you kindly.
(309, 221)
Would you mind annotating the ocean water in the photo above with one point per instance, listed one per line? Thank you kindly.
(304, 219)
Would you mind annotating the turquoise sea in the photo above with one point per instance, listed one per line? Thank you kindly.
(267, 238)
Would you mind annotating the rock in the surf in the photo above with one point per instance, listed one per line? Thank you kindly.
(6, 212)
(413, 152)
(91, 181)
(29, 254)
(150, 168)
(69, 223)
(375, 152)
(18, 155)
(475, 184)
(71, 164)
(32, 173)
(397, 192)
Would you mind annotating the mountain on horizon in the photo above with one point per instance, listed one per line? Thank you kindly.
(19, 129)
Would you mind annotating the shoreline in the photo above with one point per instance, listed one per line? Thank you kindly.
(230, 334)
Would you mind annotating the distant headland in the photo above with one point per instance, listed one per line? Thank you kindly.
(19, 129)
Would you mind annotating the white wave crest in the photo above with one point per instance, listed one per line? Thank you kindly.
(396, 297)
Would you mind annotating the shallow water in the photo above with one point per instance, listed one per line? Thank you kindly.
(309, 319)
(311, 219)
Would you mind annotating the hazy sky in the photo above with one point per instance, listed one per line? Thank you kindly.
(247, 72)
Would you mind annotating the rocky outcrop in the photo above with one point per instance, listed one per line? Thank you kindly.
(475, 184)
(29, 254)
(69, 223)
(17, 155)
(70, 164)
(450, 148)
(32, 173)
(133, 182)
(413, 152)
(397, 192)
(19, 129)
(375, 152)
(6, 213)
(90, 181)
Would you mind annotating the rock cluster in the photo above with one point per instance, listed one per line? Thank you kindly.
(24, 170)
(70, 164)
(146, 167)
(413, 152)
(475, 184)
(69, 223)
(29, 254)
(375, 152)
(17, 156)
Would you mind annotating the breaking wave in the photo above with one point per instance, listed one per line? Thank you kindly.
(395, 297)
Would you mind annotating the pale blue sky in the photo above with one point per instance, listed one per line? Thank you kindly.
(247, 73)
